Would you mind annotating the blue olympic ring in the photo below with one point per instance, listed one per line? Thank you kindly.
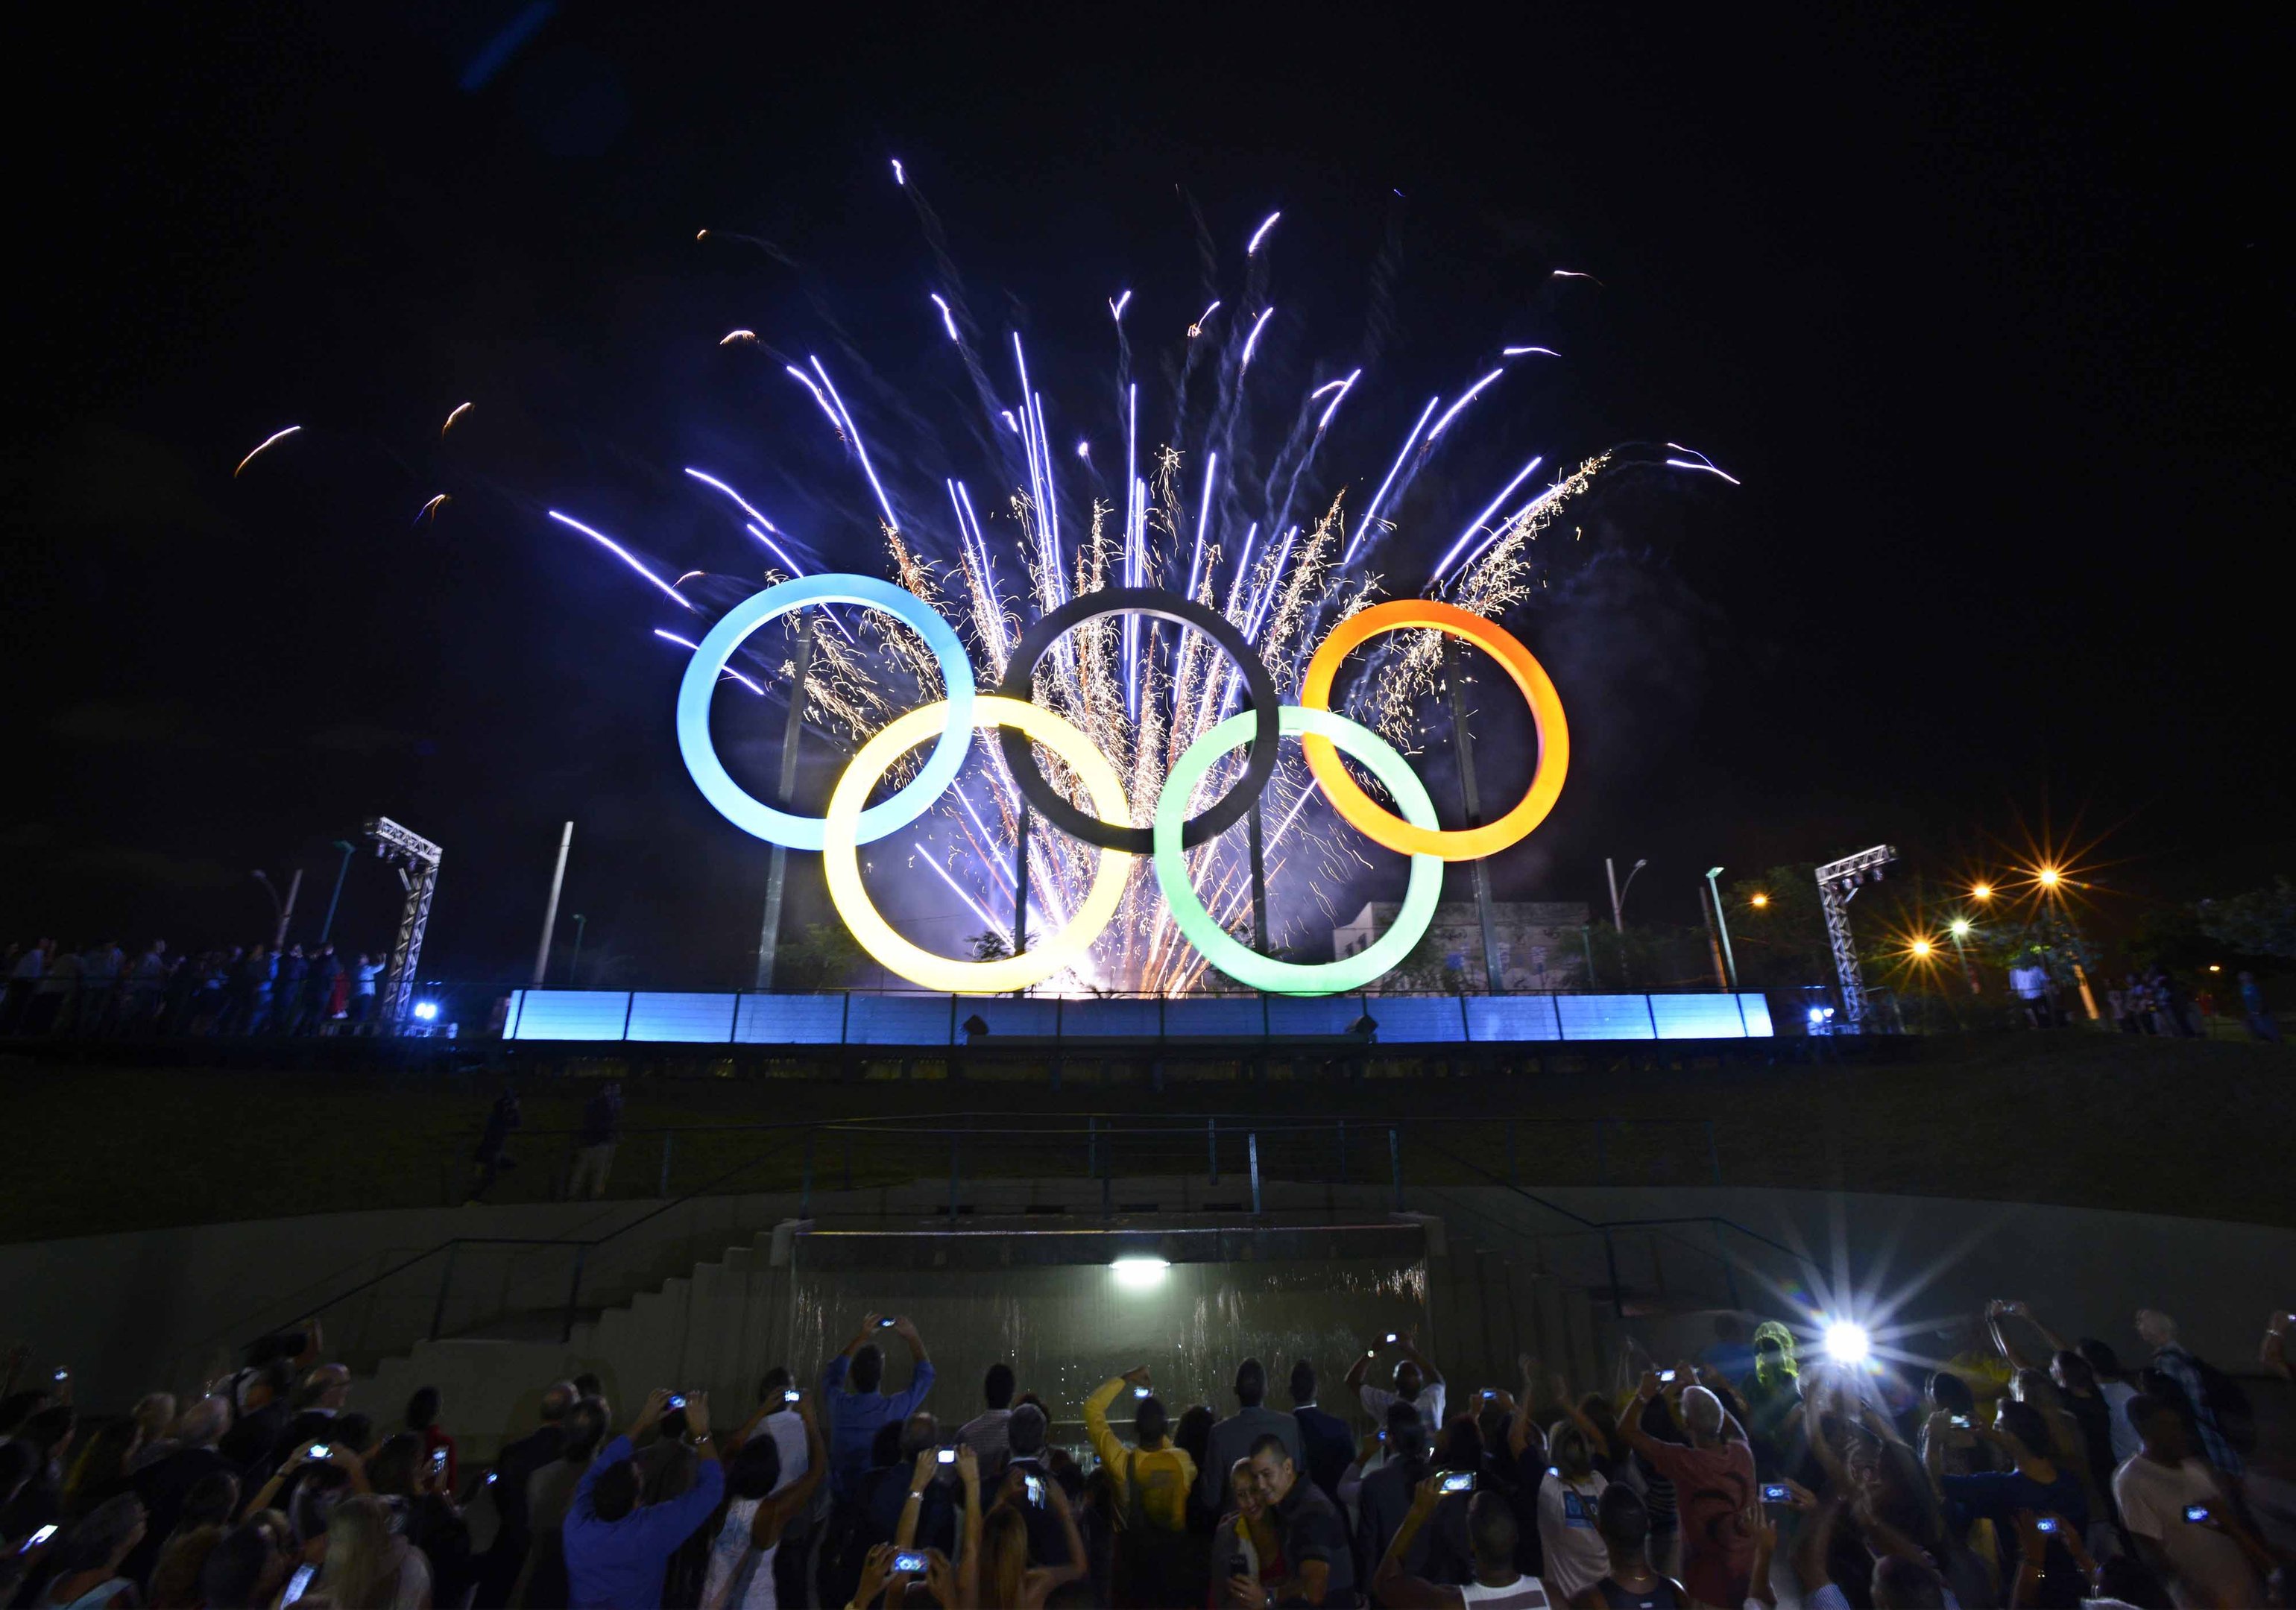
(914, 799)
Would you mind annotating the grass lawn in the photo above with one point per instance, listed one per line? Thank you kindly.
(2084, 1119)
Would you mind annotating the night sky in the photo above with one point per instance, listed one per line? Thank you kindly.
(1988, 322)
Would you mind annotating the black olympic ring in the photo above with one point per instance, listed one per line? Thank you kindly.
(1020, 678)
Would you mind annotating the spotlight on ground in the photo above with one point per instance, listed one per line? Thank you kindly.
(427, 1010)
(1139, 1274)
(1846, 1344)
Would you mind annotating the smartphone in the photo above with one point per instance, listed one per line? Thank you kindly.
(1774, 1492)
(1237, 1566)
(490, 1477)
(298, 1582)
(2047, 1523)
(911, 1563)
(1139, 1392)
(888, 1321)
(1555, 1471)
(1666, 1376)
(1035, 1487)
(61, 1375)
(438, 1461)
(1459, 1481)
(791, 1395)
(1489, 1394)
(947, 1456)
(1392, 1339)
(320, 1451)
(2198, 1514)
(676, 1400)
(36, 1539)
(1961, 1420)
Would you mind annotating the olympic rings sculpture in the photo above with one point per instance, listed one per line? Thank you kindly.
(950, 721)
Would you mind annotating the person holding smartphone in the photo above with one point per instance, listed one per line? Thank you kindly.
(1491, 1534)
(2206, 1560)
(618, 1545)
(851, 1388)
(743, 1555)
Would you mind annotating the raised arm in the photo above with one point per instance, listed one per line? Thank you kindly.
(774, 1515)
(905, 1329)
(1812, 1547)
(1104, 1442)
(1390, 1584)
(1997, 1311)
(968, 1564)
(1408, 1345)
(1630, 1423)
(1055, 1576)
(906, 1534)
(1359, 1369)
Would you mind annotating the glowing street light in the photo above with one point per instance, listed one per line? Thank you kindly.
(1960, 927)
(1980, 891)
(2049, 876)
(1759, 901)
(1920, 949)
(1139, 1274)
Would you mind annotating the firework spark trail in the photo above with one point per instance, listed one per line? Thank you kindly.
(460, 409)
(277, 436)
(622, 553)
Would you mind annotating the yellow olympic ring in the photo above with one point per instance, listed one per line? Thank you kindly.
(1383, 827)
(840, 858)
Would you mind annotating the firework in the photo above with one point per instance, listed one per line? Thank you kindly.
(277, 436)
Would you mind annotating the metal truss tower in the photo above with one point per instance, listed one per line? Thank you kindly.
(416, 861)
(1838, 881)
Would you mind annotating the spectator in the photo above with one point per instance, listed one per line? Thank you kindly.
(423, 1512)
(984, 1433)
(89, 1568)
(593, 1148)
(1013, 1577)
(165, 1485)
(1384, 1494)
(175, 1580)
(423, 1419)
(102, 1462)
(1308, 1527)
(2205, 1561)
(1771, 1393)
(363, 990)
(320, 981)
(265, 1413)
(1576, 1544)
(488, 1164)
(1233, 1438)
(617, 1545)
(1714, 1484)
(368, 1566)
(1496, 1581)
(549, 1494)
(24, 982)
(1323, 1437)
(2260, 1020)
(287, 990)
(2028, 981)
(1417, 1382)
(246, 1569)
(856, 1415)
(2113, 1386)
(1898, 1578)
(506, 1486)
(2210, 1399)
(1151, 1480)
(46, 1437)
(742, 1575)
(1626, 1576)
(2021, 1438)
(1245, 1545)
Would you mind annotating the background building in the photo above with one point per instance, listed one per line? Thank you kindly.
(1542, 946)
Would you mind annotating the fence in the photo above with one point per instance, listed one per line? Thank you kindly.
(1243, 1169)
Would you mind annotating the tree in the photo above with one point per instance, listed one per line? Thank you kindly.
(2262, 922)
(824, 958)
(1777, 926)
(990, 945)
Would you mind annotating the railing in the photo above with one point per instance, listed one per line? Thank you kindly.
(956, 1167)
(863, 1019)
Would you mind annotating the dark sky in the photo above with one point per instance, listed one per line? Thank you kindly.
(1988, 321)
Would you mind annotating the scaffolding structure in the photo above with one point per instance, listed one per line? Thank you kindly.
(1838, 883)
(415, 859)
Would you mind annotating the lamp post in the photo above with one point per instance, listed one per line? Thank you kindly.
(285, 908)
(574, 967)
(1618, 890)
(328, 927)
(550, 907)
(1728, 955)
(2053, 881)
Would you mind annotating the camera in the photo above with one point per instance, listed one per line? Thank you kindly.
(1961, 1420)
(1033, 1485)
(2047, 1523)
(791, 1395)
(947, 1456)
(1774, 1492)
(1139, 1392)
(1392, 1339)
(438, 1461)
(61, 1376)
(36, 1539)
(888, 1321)
(676, 1400)
(320, 1451)
(2199, 1515)
(1459, 1481)
(1666, 1378)
(298, 1582)
(911, 1563)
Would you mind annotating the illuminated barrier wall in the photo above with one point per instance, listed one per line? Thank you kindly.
(690, 1017)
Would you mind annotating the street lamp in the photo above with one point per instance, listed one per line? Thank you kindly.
(1980, 891)
(285, 908)
(574, 967)
(1758, 902)
(2053, 883)
(1618, 890)
(1959, 929)
(1728, 955)
(328, 927)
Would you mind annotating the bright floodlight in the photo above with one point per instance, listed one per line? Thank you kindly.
(1846, 1344)
(1983, 891)
(1921, 947)
(2049, 875)
(1760, 901)
(1960, 927)
(1139, 1274)
(426, 1009)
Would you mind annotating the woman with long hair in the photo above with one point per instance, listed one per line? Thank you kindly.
(367, 1568)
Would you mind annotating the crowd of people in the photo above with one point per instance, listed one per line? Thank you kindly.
(2024, 1471)
(256, 989)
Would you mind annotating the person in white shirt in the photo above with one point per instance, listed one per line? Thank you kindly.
(2180, 1520)
(1491, 1534)
(1417, 1382)
(1569, 1540)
